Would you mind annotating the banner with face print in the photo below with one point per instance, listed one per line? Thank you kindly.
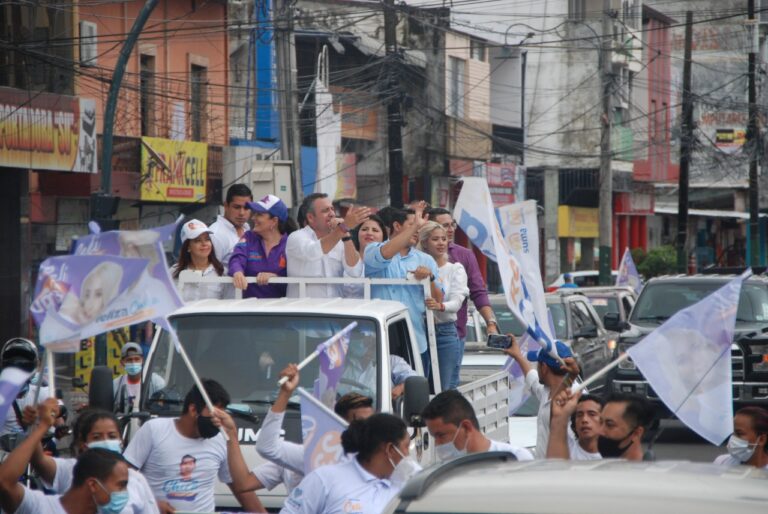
(321, 431)
(80, 296)
(332, 354)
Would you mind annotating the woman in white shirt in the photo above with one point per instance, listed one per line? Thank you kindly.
(197, 254)
(434, 241)
(365, 483)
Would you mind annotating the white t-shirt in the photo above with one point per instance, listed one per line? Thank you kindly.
(727, 460)
(140, 497)
(454, 279)
(519, 452)
(179, 470)
(577, 452)
(11, 425)
(271, 475)
(541, 392)
(35, 502)
(224, 238)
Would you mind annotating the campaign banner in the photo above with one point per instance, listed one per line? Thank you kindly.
(477, 217)
(628, 275)
(687, 361)
(173, 171)
(332, 355)
(11, 381)
(80, 296)
(46, 131)
(321, 432)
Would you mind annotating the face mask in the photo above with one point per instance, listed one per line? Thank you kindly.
(133, 368)
(403, 470)
(206, 428)
(448, 451)
(117, 501)
(740, 449)
(113, 445)
(611, 448)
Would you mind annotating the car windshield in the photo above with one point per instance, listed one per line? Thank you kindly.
(604, 304)
(245, 353)
(508, 322)
(557, 310)
(661, 300)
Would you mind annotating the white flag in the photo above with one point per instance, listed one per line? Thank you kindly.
(687, 361)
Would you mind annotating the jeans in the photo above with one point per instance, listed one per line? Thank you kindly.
(425, 363)
(447, 354)
(457, 373)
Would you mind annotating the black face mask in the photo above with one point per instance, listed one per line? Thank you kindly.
(206, 428)
(611, 448)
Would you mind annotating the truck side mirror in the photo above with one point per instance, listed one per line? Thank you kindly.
(415, 400)
(612, 322)
(100, 394)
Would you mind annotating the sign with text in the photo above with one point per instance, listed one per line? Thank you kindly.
(173, 171)
(43, 131)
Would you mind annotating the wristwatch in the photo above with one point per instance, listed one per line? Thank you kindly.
(346, 238)
(492, 322)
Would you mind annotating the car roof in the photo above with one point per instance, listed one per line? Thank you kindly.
(602, 486)
(606, 290)
(684, 279)
(379, 309)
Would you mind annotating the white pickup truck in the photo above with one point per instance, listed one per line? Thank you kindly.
(244, 343)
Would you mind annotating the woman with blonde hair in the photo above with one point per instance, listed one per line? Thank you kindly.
(434, 241)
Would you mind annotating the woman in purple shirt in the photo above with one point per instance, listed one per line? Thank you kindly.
(260, 253)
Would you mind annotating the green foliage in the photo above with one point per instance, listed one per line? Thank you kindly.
(661, 260)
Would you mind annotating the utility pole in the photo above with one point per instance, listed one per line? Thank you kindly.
(290, 137)
(606, 171)
(394, 108)
(686, 145)
(753, 143)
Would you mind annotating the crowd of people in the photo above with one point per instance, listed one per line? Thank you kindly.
(259, 240)
(173, 464)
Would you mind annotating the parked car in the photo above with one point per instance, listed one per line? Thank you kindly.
(585, 278)
(662, 297)
(614, 300)
(494, 483)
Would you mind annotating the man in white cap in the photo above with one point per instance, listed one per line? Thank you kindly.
(125, 388)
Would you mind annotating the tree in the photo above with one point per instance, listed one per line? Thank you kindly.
(661, 260)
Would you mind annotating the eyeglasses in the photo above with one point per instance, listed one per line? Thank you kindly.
(449, 225)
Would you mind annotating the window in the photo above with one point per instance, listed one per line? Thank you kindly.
(147, 94)
(399, 341)
(580, 316)
(665, 120)
(576, 9)
(198, 99)
(654, 120)
(477, 50)
(456, 68)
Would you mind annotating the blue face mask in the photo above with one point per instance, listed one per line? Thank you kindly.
(117, 501)
(113, 445)
(133, 368)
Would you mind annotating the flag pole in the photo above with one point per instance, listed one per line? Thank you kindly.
(577, 388)
(312, 356)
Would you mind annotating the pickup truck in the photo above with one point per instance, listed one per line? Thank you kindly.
(244, 344)
(664, 296)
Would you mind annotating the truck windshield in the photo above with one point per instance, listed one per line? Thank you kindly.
(659, 301)
(246, 352)
(604, 304)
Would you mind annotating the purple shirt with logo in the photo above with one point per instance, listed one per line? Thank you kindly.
(477, 290)
(250, 258)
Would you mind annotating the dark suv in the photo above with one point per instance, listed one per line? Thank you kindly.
(664, 296)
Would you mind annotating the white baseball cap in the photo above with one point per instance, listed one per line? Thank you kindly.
(192, 229)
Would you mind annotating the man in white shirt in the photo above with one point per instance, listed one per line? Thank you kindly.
(586, 425)
(324, 247)
(543, 383)
(452, 422)
(227, 230)
(100, 477)
(182, 458)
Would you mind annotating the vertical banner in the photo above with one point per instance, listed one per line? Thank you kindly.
(321, 432)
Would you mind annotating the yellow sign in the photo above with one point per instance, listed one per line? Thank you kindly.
(84, 359)
(173, 171)
(577, 222)
(44, 131)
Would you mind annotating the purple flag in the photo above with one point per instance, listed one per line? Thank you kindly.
(332, 355)
(11, 381)
(628, 275)
(80, 296)
(321, 432)
(687, 361)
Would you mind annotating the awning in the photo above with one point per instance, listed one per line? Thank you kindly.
(706, 213)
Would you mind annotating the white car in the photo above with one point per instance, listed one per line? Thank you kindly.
(584, 278)
(494, 483)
